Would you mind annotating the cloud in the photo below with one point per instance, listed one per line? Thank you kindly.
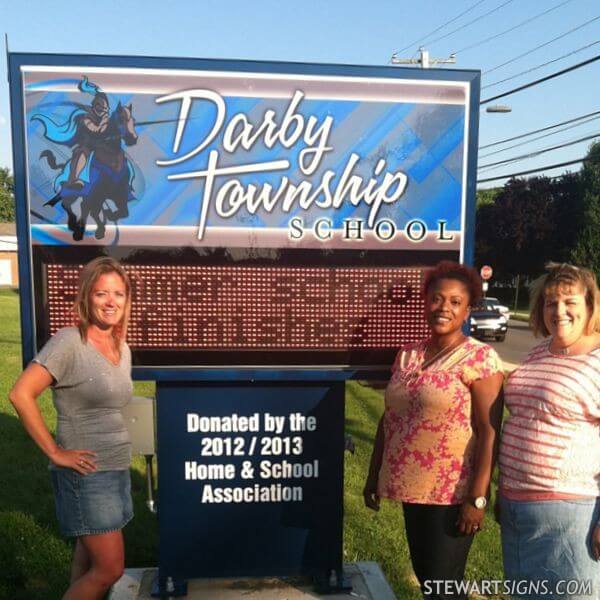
(3, 120)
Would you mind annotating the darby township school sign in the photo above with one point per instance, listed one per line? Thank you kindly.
(276, 220)
(270, 214)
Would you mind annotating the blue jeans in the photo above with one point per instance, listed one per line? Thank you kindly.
(547, 542)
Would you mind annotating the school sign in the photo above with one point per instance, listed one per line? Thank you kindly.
(270, 214)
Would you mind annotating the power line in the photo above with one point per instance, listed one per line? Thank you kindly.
(540, 137)
(493, 166)
(562, 35)
(440, 27)
(521, 24)
(538, 81)
(470, 22)
(546, 168)
(540, 66)
(516, 137)
(538, 152)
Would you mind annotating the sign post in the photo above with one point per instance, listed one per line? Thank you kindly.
(276, 220)
(486, 273)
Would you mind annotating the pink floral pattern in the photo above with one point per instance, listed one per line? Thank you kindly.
(429, 445)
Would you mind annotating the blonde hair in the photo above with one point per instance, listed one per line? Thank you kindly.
(564, 276)
(90, 273)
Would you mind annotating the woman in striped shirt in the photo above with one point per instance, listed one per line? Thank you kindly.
(550, 448)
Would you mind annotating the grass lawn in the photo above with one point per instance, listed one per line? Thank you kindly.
(35, 559)
(520, 315)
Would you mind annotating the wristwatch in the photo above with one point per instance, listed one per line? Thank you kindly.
(480, 502)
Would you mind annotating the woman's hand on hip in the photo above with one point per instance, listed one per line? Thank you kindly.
(82, 461)
(596, 542)
(371, 496)
(470, 519)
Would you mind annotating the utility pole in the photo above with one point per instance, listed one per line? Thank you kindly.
(424, 60)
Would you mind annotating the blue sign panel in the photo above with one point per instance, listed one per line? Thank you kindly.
(270, 214)
(250, 479)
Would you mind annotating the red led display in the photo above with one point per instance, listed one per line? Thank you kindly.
(187, 307)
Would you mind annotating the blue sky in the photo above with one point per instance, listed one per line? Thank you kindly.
(347, 32)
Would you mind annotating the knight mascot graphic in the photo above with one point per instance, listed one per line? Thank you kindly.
(98, 172)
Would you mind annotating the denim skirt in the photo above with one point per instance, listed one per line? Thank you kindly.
(548, 543)
(91, 504)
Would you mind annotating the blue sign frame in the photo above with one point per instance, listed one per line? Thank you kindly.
(19, 60)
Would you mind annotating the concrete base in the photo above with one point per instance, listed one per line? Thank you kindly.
(367, 579)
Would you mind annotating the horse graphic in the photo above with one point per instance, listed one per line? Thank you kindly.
(107, 176)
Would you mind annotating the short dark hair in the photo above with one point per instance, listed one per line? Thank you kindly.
(447, 269)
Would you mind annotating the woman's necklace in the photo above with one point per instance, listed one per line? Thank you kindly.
(565, 350)
(443, 352)
(562, 351)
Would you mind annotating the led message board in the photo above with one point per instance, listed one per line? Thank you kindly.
(269, 214)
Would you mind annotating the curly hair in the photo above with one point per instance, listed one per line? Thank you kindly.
(90, 273)
(447, 269)
(563, 277)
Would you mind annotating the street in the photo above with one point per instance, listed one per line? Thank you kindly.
(519, 340)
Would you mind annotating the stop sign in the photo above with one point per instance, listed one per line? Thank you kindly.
(486, 272)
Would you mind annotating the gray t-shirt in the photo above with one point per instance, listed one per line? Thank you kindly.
(89, 393)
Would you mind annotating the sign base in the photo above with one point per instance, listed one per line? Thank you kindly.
(250, 479)
(168, 587)
(367, 581)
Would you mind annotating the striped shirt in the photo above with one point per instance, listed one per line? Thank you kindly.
(550, 446)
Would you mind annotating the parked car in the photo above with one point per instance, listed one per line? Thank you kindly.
(504, 310)
(488, 322)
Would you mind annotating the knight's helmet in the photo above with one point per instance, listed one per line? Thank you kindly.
(100, 102)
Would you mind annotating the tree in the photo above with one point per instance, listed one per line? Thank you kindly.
(7, 196)
(487, 196)
(567, 198)
(586, 250)
(516, 233)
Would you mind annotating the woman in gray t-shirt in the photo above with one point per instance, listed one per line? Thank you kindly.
(88, 368)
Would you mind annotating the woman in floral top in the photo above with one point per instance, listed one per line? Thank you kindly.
(436, 442)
